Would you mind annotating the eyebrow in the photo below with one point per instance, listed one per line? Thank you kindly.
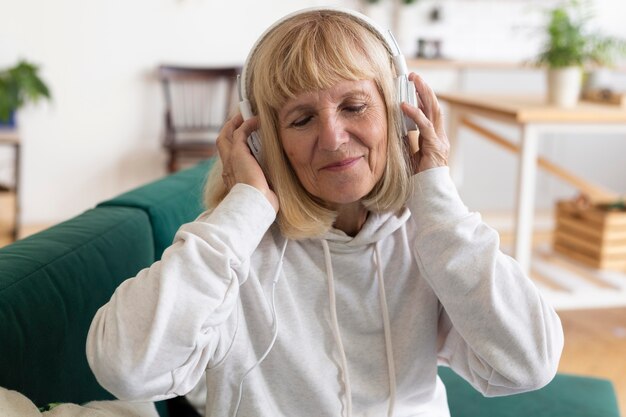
(357, 93)
(295, 109)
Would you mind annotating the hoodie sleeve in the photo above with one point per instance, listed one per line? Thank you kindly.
(155, 337)
(495, 329)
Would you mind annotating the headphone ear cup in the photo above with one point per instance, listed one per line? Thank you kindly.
(406, 93)
(254, 142)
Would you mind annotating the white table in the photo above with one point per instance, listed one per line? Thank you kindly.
(534, 118)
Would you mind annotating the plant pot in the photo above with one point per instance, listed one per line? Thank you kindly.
(8, 124)
(564, 85)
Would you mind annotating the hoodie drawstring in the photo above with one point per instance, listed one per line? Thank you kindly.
(335, 328)
(391, 368)
(386, 327)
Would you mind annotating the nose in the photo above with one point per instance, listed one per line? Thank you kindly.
(332, 132)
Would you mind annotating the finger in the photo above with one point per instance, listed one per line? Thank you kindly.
(245, 129)
(413, 138)
(226, 133)
(417, 115)
(224, 141)
(429, 104)
(232, 124)
(428, 99)
(421, 86)
(430, 139)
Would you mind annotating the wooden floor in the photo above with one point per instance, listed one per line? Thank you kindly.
(7, 204)
(595, 345)
(595, 339)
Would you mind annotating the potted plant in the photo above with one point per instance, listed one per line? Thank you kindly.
(19, 85)
(568, 47)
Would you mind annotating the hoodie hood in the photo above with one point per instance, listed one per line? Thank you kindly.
(377, 227)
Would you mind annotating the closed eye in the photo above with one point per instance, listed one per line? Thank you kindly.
(359, 108)
(302, 121)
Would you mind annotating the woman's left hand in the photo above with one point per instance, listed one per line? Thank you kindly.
(434, 146)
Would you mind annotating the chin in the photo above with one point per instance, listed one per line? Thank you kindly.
(344, 198)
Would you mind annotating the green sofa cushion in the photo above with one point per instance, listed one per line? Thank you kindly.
(169, 202)
(51, 285)
(566, 396)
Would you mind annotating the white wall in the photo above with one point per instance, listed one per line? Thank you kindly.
(101, 133)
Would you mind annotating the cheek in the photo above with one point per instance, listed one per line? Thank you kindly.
(291, 155)
(298, 154)
(380, 158)
(286, 143)
(294, 153)
(379, 135)
(376, 121)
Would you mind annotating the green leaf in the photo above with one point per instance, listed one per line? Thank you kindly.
(20, 85)
(569, 43)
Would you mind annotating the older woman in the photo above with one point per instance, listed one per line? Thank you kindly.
(333, 277)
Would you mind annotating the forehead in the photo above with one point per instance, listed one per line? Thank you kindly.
(336, 93)
(304, 55)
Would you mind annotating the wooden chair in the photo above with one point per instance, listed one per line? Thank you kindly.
(197, 102)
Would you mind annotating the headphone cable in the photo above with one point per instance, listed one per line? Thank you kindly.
(279, 268)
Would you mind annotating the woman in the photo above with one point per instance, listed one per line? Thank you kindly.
(337, 277)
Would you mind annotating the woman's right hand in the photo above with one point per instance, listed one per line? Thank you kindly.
(239, 165)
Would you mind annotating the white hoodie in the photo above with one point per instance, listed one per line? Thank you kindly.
(363, 321)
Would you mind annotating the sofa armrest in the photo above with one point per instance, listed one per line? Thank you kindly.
(565, 396)
(169, 202)
(51, 285)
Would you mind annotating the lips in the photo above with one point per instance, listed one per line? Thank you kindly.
(342, 164)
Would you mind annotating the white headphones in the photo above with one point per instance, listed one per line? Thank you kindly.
(405, 88)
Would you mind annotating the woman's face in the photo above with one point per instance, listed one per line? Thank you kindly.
(336, 140)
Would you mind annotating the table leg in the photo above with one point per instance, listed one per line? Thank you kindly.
(527, 172)
(18, 215)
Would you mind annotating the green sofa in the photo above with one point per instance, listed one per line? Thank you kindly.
(52, 283)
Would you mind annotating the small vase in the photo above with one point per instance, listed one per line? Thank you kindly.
(8, 124)
(564, 86)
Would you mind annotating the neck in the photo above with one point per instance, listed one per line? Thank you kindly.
(350, 218)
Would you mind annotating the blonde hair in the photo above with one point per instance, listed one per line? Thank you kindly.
(308, 52)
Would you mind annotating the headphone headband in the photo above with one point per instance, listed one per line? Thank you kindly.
(386, 36)
(404, 88)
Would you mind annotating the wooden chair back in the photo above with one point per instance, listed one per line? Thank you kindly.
(197, 103)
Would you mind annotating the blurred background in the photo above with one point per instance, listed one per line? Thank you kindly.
(102, 132)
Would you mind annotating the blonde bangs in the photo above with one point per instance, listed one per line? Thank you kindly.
(314, 52)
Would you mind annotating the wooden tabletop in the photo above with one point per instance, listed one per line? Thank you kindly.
(442, 63)
(527, 109)
(9, 136)
(484, 64)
